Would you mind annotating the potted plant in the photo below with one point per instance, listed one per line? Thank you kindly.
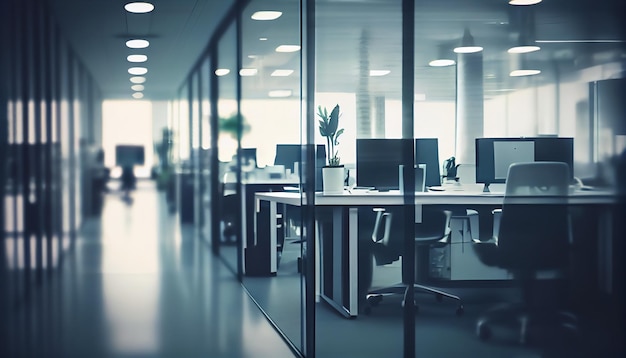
(333, 171)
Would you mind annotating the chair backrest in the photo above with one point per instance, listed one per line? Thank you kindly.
(537, 179)
(535, 236)
(434, 226)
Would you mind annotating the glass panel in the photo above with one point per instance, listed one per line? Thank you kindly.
(204, 220)
(184, 166)
(270, 143)
(194, 182)
(358, 64)
(483, 93)
(227, 143)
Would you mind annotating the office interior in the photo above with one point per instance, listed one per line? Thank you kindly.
(392, 67)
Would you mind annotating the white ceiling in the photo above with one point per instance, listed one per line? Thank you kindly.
(179, 31)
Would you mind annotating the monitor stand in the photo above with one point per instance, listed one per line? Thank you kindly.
(486, 188)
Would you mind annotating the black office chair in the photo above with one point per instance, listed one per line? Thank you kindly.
(529, 238)
(433, 231)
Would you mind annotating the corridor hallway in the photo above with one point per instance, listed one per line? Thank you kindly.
(135, 284)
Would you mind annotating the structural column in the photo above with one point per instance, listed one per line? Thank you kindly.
(469, 105)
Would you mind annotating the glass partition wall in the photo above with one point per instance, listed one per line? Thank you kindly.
(410, 76)
(359, 66)
(270, 155)
(227, 143)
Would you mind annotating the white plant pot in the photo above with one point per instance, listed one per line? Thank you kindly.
(332, 180)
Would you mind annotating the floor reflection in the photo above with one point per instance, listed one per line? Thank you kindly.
(135, 284)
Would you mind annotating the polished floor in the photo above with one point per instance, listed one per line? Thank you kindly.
(135, 283)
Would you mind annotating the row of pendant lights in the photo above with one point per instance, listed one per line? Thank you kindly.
(136, 71)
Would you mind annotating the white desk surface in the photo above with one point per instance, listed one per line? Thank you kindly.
(449, 197)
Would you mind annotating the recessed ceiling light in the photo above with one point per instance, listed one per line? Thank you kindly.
(279, 93)
(262, 38)
(137, 58)
(139, 7)
(138, 71)
(468, 49)
(288, 48)
(520, 73)
(523, 49)
(137, 43)
(266, 15)
(441, 63)
(137, 79)
(378, 73)
(524, 2)
(281, 73)
(137, 95)
(222, 71)
(137, 87)
(248, 71)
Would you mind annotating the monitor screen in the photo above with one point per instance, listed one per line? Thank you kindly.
(287, 155)
(495, 155)
(129, 155)
(427, 152)
(248, 155)
(378, 159)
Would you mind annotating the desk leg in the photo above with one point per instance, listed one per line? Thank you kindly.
(353, 250)
(342, 292)
(337, 243)
(273, 238)
(605, 250)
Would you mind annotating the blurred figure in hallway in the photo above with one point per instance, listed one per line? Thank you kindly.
(128, 182)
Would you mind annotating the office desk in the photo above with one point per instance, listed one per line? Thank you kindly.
(254, 256)
(342, 294)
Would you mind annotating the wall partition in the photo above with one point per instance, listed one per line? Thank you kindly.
(359, 66)
(415, 83)
(270, 154)
(228, 136)
(50, 122)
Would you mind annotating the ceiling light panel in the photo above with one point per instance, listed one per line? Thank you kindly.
(441, 63)
(521, 73)
(281, 73)
(266, 15)
(523, 49)
(378, 73)
(139, 7)
(138, 71)
(288, 48)
(467, 49)
(137, 43)
(137, 58)
(222, 71)
(138, 95)
(524, 2)
(248, 72)
(137, 79)
(137, 87)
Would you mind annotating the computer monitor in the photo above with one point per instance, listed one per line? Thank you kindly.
(495, 155)
(427, 152)
(129, 155)
(248, 155)
(378, 159)
(287, 155)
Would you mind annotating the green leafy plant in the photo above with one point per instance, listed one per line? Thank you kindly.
(230, 125)
(328, 125)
